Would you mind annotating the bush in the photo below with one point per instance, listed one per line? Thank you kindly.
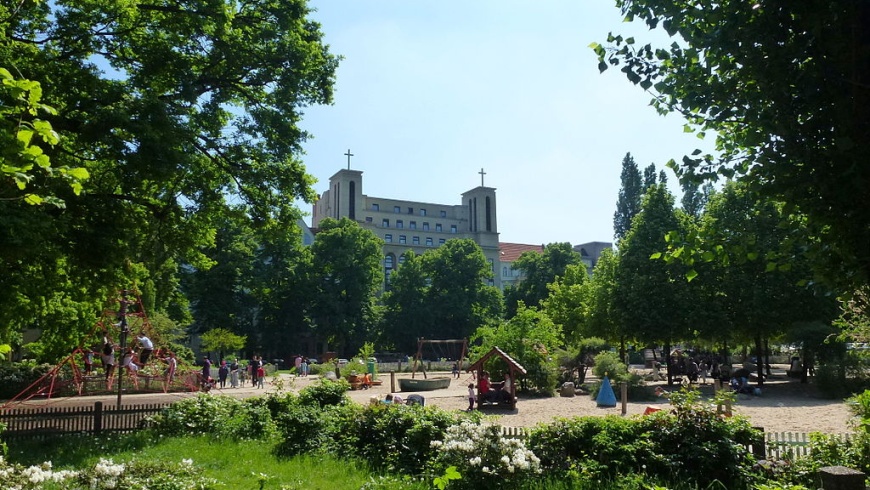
(222, 416)
(325, 393)
(691, 444)
(609, 364)
(16, 377)
(484, 458)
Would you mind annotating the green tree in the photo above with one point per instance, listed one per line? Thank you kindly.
(569, 302)
(539, 270)
(347, 273)
(460, 299)
(222, 340)
(22, 135)
(530, 338)
(178, 112)
(649, 176)
(651, 296)
(602, 315)
(630, 195)
(783, 87)
(407, 314)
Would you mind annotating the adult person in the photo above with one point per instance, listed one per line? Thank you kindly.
(223, 373)
(107, 354)
(234, 374)
(297, 363)
(206, 368)
(304, 366)
(507, 388)
(171, 366)
(483, 386)
(147, 348)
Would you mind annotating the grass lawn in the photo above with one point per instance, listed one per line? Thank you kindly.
(235, 464)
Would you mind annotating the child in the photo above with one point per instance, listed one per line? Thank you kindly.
(261, 373)
(471, 397)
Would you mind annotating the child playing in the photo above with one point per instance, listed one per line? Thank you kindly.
(261, 373)
(471, 397)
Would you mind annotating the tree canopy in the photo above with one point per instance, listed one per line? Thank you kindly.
(178, 112)
(785, 87)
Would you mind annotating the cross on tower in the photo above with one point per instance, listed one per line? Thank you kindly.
(482, 173)
(348, 155)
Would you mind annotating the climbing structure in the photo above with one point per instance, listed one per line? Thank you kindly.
(73, 376)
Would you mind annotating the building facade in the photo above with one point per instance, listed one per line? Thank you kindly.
(413, 225)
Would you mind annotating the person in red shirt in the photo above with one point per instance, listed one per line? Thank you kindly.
(483, 387)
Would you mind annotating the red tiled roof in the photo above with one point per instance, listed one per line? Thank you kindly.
(512, 251)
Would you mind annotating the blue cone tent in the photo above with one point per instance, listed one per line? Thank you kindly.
(606, 396)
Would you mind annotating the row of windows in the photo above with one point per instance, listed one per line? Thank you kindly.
(398, 210)
(415, 240)
(413, 225)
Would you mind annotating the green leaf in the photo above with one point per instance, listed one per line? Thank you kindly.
(771, 266)
(655, 256)
(691, 274)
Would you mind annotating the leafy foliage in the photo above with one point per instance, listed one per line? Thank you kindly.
(530, 338)
(221, 416)
(779, 85)
(539, 270)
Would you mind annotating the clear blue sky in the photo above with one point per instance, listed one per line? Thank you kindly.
(431, 91)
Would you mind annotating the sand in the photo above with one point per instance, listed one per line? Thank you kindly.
(785, 405)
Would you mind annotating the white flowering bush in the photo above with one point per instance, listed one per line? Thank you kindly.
(106, 474)
(484, 457)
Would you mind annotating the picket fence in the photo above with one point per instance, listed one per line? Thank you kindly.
(40, 423)
(775, 445)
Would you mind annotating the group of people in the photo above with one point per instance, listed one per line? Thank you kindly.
(489, 392)
(131, 359)
(233, 371)
(301, 363)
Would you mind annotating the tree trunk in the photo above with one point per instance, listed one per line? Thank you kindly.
(759, 360)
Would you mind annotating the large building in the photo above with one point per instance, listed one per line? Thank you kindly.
(414, 225)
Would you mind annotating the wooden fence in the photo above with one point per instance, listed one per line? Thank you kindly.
(44, 422)
(775, 445)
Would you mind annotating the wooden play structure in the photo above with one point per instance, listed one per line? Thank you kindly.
(439, 347)
(498, 396)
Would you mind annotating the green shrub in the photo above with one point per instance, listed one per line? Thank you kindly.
(484, 458)
(222, 416)
(325, 393)
(691, 444)
(16, 377)
(609, 364)
(302, 429)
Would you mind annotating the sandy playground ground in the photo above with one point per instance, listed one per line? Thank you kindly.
(785, 405)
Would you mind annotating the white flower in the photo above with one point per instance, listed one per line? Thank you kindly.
(187, 462)
(475, 461)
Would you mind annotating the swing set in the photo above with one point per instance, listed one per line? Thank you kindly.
(444, 350)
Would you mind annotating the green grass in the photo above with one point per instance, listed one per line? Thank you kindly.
(235, 464)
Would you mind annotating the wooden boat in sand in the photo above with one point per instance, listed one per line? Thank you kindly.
(425, 384)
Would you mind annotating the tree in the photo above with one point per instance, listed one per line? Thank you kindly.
(649, 176)
(222, 340)
(22, 158)
(459, 298)
(784, 87)
(630, 194)
(347, 273)
(530, 338)
(650, 295)
(539, 270)
(177, 111)
(407, 305)
(570, 300)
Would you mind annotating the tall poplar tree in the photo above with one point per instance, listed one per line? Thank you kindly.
(630, 194)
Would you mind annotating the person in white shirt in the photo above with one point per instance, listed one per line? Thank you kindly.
(147, 348)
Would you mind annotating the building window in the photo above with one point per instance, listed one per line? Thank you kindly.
(504, 271)
(368, 219)
(438, 227)
(416, 240)
(422, 211)
(425, 226)
(491, 265)
(410, 210)
(440, 241)
(385, 223)
(400, 223)
(376, 207)
(452, 228)
(428, 241)
(412, 225)
(403, 239)
(397, 209)
(388, 238)
(401, 259)
(443, 213)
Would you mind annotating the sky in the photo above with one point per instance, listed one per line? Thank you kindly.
(429, 92)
